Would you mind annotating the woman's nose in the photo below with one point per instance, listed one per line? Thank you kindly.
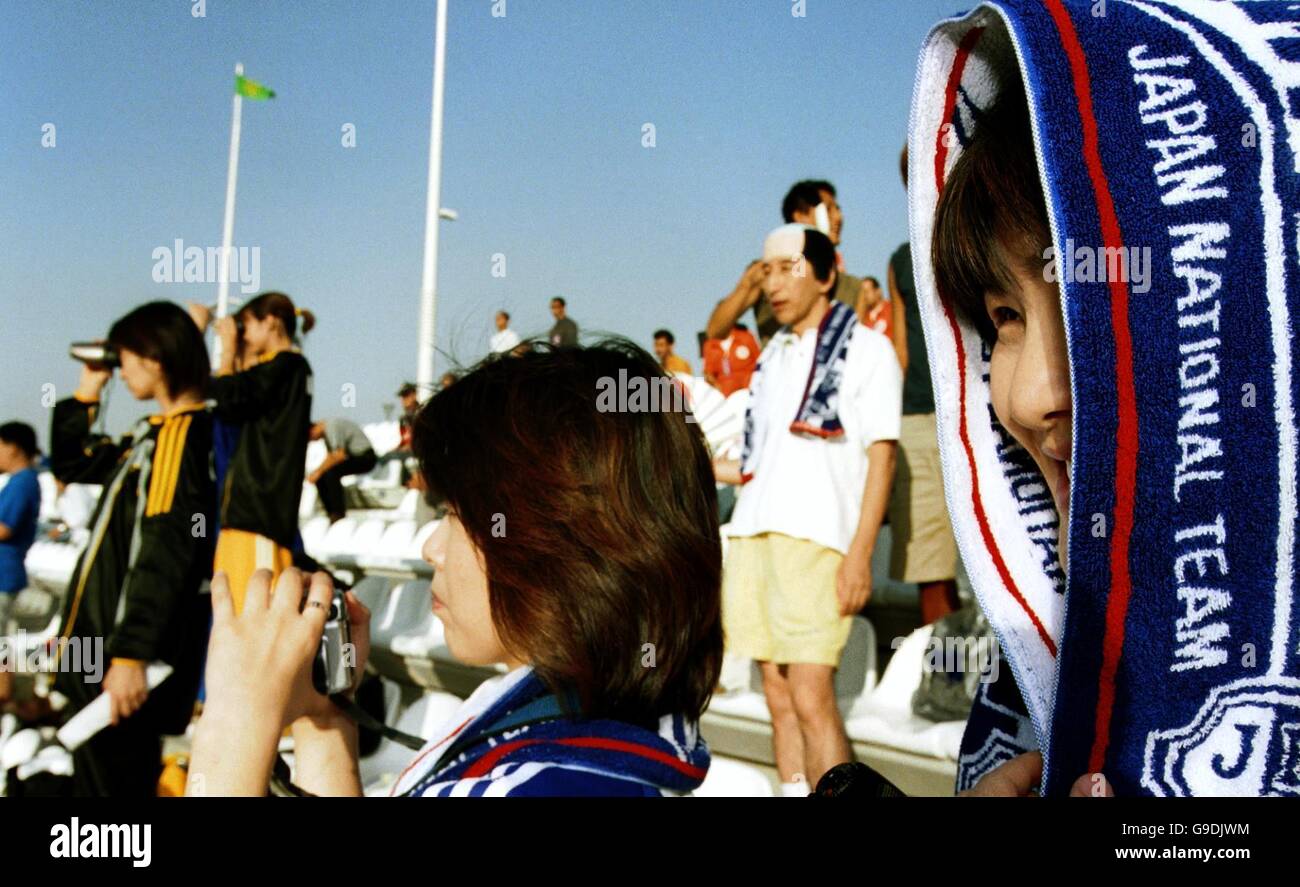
(435, 547)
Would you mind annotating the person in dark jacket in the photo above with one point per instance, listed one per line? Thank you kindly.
(135, 594)
(270, 399)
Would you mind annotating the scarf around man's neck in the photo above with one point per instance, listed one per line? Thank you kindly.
(818, 414)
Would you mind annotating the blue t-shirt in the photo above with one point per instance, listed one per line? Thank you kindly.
(20, 504)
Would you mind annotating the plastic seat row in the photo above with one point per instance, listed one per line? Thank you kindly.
(369, 543)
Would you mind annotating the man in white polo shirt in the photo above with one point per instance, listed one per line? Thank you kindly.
(819, 456)
(504, 338)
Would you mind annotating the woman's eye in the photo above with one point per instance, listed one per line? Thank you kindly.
(1003, 315)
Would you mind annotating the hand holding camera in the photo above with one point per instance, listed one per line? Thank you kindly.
(276, 658)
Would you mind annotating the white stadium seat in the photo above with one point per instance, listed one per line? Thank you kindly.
(337, 540)
(362, 542)
(77, 504)
(49, 496)
(390, 551)
(417, 541)
(307, 503)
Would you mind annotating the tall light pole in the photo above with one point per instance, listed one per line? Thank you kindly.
(228, 220)
(429, 278)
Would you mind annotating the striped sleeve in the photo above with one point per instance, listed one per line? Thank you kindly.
(167, 465)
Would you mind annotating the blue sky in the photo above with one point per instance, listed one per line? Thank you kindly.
(543, 160)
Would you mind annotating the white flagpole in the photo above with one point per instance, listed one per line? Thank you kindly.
(429, 279)
(228, 224)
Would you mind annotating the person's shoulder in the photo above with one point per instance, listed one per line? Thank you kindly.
(289, 362)
(870, 347)
(26, 483)
(292, 357)
(557, 780)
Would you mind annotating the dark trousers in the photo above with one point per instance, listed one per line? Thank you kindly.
(330, 485)
(119, 762)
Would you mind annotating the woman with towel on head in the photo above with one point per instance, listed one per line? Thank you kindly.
(1108, 317)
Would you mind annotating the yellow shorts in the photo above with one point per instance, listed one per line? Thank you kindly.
(240, 553)
(924, 549)
(779, 603)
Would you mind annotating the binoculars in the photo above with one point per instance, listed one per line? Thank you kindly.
(96, 354)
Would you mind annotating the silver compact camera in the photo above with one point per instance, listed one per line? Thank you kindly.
(332, 671)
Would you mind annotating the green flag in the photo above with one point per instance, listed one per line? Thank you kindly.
(251, 89)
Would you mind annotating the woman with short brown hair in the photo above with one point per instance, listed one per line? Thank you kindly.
(580, 548)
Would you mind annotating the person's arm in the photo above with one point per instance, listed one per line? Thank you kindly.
(900, 320)
(233, 751)
(853, 582)
(332, 458)
(76, 454)
(11, 510)
(878, 402)
(326, 756)
(20, 504)
(746, 294)
(258, 680)
(173, 530)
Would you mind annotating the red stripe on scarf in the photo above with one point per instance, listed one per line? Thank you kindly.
(1126, 431)
(484, 765)
(981, 517)
(950, 99)
(424, 754)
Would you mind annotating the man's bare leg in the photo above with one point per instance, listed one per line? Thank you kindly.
(787, 737)
(938, 599)
(824, 741)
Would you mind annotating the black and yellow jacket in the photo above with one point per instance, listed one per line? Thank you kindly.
(271, 402)
(139, 584)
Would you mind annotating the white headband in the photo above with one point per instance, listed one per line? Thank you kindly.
(786, 242)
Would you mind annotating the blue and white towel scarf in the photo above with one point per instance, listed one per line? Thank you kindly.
(528, 742)
(1170, 657)
(818, 413)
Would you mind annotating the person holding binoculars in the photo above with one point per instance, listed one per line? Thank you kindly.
(135, 589)
(268, 397)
